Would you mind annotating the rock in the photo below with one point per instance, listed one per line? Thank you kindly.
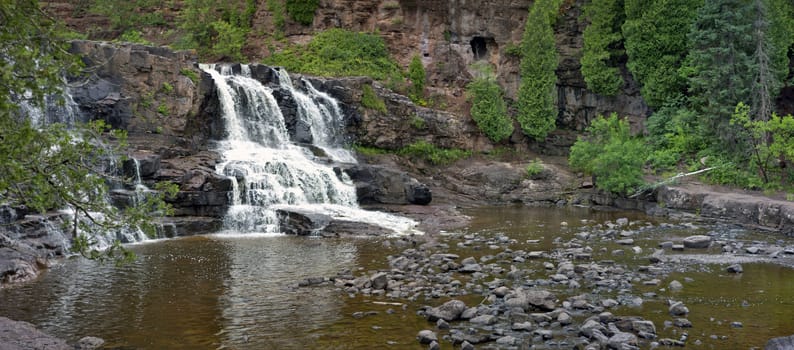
(643, 326)
(434, 346)
(781, 343)
(737, 324)
(625, 241)
(678, 247)
(18, 335)
(379, 280)
(484, 319)
(380, 185)
(506, 340)
(697, 242)
(753, 250)
(441, 324)
(89, 343)
(529, 299)
(449, 311)
(618, 340)
(466, 346)
(500, 292)
(682, 323)
(675, 285)
(735, 268)
(426, 337)
(470, 268)
(678, 309)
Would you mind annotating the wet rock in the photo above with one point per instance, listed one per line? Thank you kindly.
(484, 319)
(381, 185)
(529, 299)
(466, 346)
(678, 309)
(434, 346)
(697, 242)
(735, 268)
(379, 280)
(89, 343)
(18, 335)
(449, 311)
(426, 337)
(675, 285)
(620, 339)
(781, 343)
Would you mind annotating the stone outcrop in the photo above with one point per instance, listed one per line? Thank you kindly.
(27, 242)
(301, 222)
(742, 208)
(380, 185)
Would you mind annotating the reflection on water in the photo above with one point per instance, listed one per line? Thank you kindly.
(233, 291)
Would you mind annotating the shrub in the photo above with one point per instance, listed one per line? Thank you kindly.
(416, 73)
(337, 52)
(488, 107)
(191, 74)
(371, 100)
(534, 168)
(436, 156)
(610, 154)
(167, 87)
(133, 36)
(302, 11)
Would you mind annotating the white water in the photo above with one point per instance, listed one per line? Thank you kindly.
(268, 171)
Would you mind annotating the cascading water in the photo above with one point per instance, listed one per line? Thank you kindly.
(270, 172)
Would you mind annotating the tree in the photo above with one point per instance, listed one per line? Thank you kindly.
(537, 92)
(302, 11)
(721, 68)
(46, 167)
(603, 46)
(610, 154)
(655, 33)
(488, 107)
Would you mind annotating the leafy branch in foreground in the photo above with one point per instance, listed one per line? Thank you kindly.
(55, 167)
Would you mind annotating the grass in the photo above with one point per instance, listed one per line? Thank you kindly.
(437, 156)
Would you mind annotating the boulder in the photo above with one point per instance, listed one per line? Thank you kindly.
(449, 311)
(380, 185)
(18, 335)
(781, 343)
(426, 336)
(531, 299)
(697, 242)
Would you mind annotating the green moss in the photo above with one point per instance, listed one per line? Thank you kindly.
(370, 151)
(191, 74)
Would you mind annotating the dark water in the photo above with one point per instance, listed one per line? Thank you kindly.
(234, 292)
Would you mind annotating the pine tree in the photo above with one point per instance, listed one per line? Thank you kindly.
(655, 33)
(603, 46)
(537, 93)
(720, 66)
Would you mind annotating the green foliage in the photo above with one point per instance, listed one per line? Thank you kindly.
(771, 141)
(603, 46)
(302, 11)
(162, 109)
(215, 29)
(46, 167)
(167, 87)
(720, 67)
(437, 156)
(337, 52)
(512, 49)
(369, 99)
(416, 73)
(418, 123)
(655, 33)
(276, 7)
(133, 36)
(488, 107)
(537, 93)
(191, 74)
(370, 151)
(534, 168)
(125, 15)
(610, 154)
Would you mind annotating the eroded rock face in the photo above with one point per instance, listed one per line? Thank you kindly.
(380, 185)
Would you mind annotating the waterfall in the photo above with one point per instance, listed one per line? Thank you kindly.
(268, 171)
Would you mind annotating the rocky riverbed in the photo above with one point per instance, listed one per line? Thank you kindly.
(590, 285)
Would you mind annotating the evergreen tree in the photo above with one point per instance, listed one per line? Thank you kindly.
(655, 33)
(720, 67)
(603, 46)
(417, 75)
(537, 93)
(488, 107)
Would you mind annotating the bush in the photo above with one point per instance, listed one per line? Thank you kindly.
(436, 156)
(416, 73)
(302, 11)
(610, 154)
(488, 107)
(534, 168)
(133, 36)
(337, 52)
(371, 100)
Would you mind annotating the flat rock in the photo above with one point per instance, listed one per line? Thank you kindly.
(697, 242)
(448, 311)
(18, 335)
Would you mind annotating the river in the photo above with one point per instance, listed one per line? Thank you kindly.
(239, 291)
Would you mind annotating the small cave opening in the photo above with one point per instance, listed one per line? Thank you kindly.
(479, 47)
